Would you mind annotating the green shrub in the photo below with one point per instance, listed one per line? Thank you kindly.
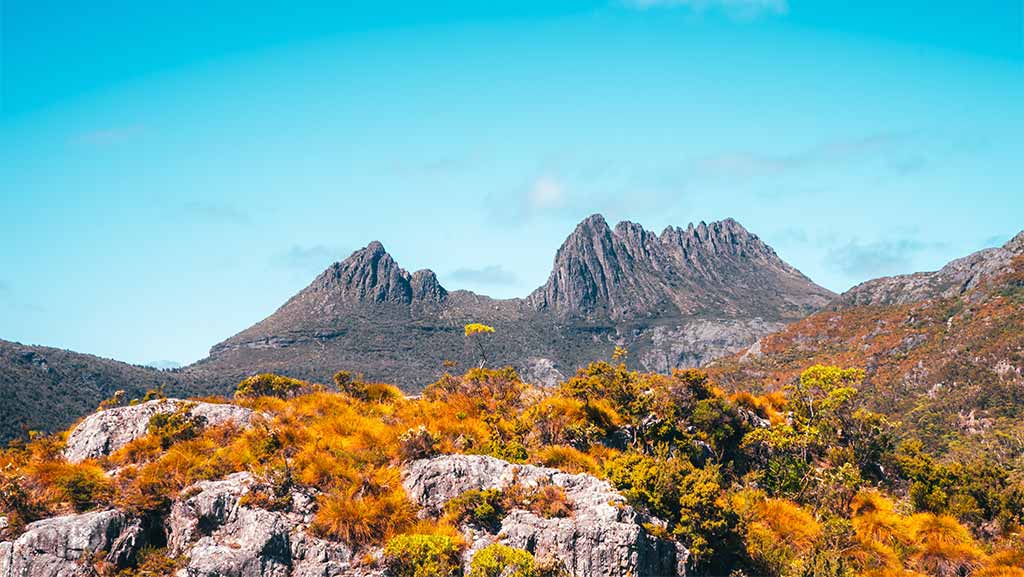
(499, 560)
(180, 425)
(484, 508)
(422, 556)
(270, 385)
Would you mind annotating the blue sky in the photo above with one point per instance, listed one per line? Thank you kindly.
(172, 174)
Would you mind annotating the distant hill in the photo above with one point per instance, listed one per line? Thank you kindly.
(47, 389)
(943, 351)
(676, 299)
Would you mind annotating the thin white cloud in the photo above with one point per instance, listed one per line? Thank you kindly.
(546, 192)
(748, 164)
(741, 8)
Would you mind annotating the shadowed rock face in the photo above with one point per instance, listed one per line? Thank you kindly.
(653, 294)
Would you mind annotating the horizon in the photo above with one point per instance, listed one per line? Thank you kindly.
(168, 195)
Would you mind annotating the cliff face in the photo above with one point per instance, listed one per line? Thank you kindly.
(675, 299)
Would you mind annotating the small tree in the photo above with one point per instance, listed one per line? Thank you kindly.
(475, 332)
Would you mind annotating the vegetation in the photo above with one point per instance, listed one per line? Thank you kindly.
(475, 332)
(423, 556)
(808, 481)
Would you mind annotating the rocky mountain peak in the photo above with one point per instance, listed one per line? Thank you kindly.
(371, 275)
(368, 275)
(631, 272)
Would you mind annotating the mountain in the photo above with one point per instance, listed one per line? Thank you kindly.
(676, 299)
(943, 351)
(47, 389)
(679, 298)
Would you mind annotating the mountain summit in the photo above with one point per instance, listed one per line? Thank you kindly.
(676, 299)
(628, 272)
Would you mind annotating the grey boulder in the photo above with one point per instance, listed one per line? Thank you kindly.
(64, 546)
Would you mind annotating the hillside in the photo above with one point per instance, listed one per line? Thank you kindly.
(673, 300)
(47, 389)
(943, 351)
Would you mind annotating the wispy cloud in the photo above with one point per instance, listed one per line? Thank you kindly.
(750, 164)
(494, 275)
(737, 8)
(308, 258)
(878, 258)
(224, 213)
(546, 192)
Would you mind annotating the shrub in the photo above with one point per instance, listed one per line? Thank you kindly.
(345, 515)
(82, 486)
(418, 443)
(181, 425)
(270, 385)
(152, 562)
(499, 560)
(567, 459)
(422, 556)
(484, 508)
(549, 501)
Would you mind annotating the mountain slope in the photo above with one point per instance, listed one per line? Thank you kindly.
(678, 299)
(943, 351)
(47, 389)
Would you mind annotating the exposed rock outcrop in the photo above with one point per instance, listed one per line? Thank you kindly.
(61, 546)
(217, 535)
(214, 532)
(106, 431)
(604, 537)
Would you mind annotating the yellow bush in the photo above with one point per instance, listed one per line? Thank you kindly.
(350, 517)
(567, 459)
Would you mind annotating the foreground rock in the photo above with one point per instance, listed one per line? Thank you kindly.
(217, 535)
(64, 546)
(604, 537)
(106, 431)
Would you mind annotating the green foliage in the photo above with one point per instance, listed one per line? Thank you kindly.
(83, 486)
(484, 508)
(180, 425)
(499, 560)
(269, 385)
(422, 556)
(152, 562)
